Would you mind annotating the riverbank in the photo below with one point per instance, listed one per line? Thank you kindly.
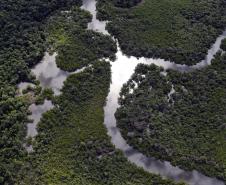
(72, 145)
(187, 129)
(178, 31)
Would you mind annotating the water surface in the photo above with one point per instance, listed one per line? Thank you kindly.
(37, 112)
(49, 75)
(122, 69)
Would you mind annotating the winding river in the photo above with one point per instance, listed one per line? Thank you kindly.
(122, 69)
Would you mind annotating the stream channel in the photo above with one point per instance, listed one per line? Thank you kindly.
(122, 69)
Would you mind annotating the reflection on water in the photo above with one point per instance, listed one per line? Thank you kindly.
(211, 52)
(49, 75)
(95, 24)
(37, 111)
(122, 69)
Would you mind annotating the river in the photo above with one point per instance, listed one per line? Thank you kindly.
(122, 69)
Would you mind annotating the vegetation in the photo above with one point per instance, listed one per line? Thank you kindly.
(186, 127)
(73, 147)
(126, 3)
(13, 113)
(25, 26)
(180, 30)
(45, 94)
(22, 40)
(223, 45)
(76, 46)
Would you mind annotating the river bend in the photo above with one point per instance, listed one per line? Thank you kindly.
(122, 69)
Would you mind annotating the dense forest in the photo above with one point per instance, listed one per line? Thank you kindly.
(179, 117)
(76, 46)
(181, 31)
(25, 34)
(72, 146)
(21, 45)
(223, 45)
(126, 3)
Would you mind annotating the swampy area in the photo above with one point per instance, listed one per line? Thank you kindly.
(112, 92)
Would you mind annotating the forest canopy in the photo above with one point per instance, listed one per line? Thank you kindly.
(126, 3)
(22, 43)
(179, 117)
(164, 117)
(181, 30)
(73, 146)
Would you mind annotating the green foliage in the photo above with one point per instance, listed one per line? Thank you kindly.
(223, 45)
(13, 113)
(22, 43)
(29, 141)
(39, 100)
(48, 93)
(179, 30)
(76, 46)
(126, 3)
(85, 48)
(187, 127)
(43, 95)
(73, 147)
